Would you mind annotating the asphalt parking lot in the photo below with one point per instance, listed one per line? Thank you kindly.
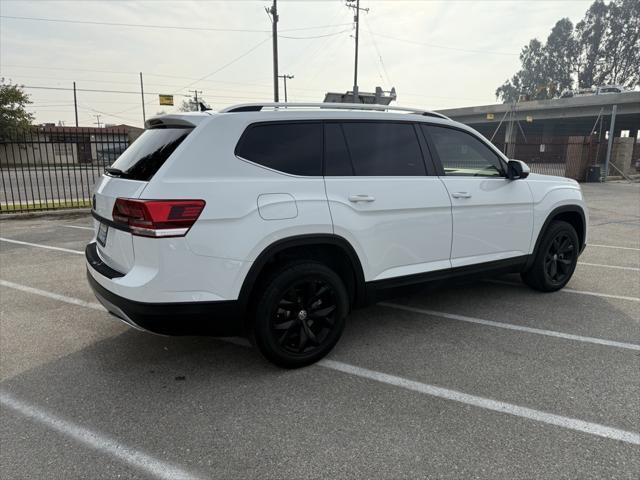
(483, 380)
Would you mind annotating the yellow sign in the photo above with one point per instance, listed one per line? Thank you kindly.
(166, 99)
(489, 116)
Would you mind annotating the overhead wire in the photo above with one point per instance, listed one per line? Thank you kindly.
(375, 45)
(444, 47)
(168, 27)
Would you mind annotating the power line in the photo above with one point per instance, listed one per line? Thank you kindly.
(94, 90)
(40, 67)
(375, 44)
(172, 27)
(444, 47)
(228, 64)
(314, 36)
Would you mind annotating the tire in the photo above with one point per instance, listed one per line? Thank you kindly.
(300, 314)
(555, 260)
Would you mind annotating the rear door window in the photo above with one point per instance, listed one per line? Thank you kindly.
(384, 149)
(147, 153)
(294, 148)
(336, 156)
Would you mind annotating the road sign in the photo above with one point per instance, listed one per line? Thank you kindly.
(166, 99)
(490, 116)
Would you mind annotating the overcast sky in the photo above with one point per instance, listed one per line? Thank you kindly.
(442, 54)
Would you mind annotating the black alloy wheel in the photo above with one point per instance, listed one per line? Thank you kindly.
(299, 314)
(304, 316)
(560, 257)
(555, 258)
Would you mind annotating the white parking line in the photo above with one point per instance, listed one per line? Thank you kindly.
(569, 290)
(432, 390)
(487, 403)
(54, 296)
(595, 294)
(48, 247)
(78, 227)
(613, 246)
(633, 269)
(96, 440)
(510, 326)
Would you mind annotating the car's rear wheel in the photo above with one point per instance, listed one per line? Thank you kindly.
(300, 314)
(555, 260)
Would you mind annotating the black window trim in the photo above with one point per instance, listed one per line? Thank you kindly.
(436, 157)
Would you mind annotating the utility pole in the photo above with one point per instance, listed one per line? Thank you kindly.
(195, 98)
(98, 121)
(144, 119)
(273, 15)
(356, 19)
(75, 103)
(285, 77)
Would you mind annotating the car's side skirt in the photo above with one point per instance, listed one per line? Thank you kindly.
(380, 289)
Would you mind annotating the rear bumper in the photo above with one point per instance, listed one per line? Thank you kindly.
(221, 318)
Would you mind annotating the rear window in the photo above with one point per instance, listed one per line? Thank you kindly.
(147, 153)
(294, 148)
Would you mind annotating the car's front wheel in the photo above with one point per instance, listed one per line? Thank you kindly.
(555, 260)
(300, 314)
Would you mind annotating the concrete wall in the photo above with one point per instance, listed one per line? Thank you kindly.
(621, 155)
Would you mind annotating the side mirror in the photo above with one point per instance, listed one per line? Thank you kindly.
(517, 169)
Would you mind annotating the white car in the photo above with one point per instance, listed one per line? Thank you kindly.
(275, 220)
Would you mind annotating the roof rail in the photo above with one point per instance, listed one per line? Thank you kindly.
(256, 107)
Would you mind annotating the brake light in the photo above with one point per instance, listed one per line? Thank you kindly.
(157, 218)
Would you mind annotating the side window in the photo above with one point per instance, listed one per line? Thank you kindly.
(336, 156)
(383, 149)
(294, 148)
(462, 154)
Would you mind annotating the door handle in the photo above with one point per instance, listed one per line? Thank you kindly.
(361, 198)
(461, 195)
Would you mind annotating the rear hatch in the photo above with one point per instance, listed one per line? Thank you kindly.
(126, 179)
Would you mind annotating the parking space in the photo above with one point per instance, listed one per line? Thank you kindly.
(477, 380)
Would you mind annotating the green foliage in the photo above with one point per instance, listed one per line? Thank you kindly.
(603, 49)
(13, 114)
(189, 105)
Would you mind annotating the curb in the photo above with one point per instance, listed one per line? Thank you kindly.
(62, 213)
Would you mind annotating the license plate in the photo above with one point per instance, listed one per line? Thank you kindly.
(103, 229)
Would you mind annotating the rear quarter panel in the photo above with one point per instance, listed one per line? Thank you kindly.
(231, 226)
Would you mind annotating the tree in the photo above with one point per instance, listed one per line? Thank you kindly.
(561, 52)
(602, 49)
(590, 32)
(621, 56)
(13, 114)
(189, 105)
(532, 80)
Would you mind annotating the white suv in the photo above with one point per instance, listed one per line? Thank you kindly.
(275, 220)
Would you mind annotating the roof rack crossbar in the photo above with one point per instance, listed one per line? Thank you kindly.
(256, 107)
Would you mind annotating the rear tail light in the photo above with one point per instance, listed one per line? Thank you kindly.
(157, 218)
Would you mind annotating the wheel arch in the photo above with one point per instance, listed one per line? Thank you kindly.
(572, 214)
(333, 250)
